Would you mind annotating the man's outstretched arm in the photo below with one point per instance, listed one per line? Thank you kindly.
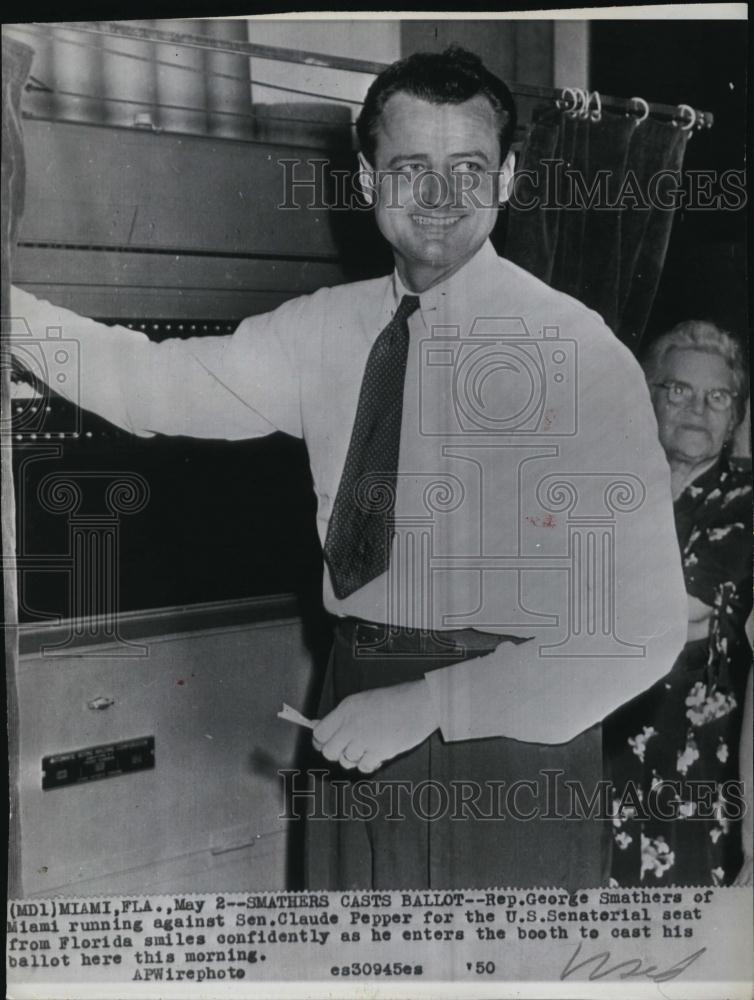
(237, 386)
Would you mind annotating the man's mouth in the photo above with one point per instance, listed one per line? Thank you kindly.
(440, 221)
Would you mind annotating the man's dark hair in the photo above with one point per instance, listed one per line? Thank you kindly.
(450, 77)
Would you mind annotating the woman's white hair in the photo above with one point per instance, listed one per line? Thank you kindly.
(701, 335)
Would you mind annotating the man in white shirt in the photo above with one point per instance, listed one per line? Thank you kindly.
(530, 581)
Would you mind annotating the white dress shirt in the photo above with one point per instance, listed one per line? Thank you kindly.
(533, 498)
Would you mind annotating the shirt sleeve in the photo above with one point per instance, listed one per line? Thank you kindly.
(619, 606)
(243, 385)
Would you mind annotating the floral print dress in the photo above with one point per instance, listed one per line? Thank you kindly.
(672, 752)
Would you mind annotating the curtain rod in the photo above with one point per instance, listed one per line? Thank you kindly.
(682, 113)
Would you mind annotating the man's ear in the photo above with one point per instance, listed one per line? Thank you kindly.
(505, 177)
(366, 179)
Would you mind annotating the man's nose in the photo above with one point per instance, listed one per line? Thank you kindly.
(435, 189)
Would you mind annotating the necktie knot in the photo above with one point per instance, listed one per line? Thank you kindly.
(407, 307)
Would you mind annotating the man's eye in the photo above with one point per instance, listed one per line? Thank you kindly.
(467, 166)
(410, 168)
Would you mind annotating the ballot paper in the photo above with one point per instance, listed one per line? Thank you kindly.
(291, 715)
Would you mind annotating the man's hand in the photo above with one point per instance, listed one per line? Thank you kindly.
(370, 727)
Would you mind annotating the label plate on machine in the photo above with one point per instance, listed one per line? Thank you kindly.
(93, 763)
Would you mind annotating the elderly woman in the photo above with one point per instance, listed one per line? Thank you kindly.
(672, 753)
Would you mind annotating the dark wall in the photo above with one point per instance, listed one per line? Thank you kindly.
(520, 51)
(700, 63)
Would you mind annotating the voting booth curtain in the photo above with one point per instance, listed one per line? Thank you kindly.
(592, 209)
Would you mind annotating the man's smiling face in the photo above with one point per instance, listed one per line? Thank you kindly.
(438, 183)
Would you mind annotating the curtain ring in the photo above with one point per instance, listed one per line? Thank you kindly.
(596, 115)
(686, 111)
(580, 96)
(644, 109)
(564, 93)
(586, 99)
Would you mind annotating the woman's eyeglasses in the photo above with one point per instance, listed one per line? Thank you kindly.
(681, 394)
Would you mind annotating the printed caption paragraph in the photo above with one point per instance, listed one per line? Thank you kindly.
(599, 935)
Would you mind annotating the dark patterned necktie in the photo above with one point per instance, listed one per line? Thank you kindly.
(359, 535)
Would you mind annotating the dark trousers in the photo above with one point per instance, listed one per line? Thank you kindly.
(468, 814)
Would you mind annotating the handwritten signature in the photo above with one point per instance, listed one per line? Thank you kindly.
(633, 967)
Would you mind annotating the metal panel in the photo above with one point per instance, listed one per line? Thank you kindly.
(208, 700)
(43, 265)
(154, 303)
(125, 285)
(92, 185)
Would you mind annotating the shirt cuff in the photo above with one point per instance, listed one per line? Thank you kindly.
(450, 690)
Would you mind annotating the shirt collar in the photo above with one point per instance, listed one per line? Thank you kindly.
(456, 284)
